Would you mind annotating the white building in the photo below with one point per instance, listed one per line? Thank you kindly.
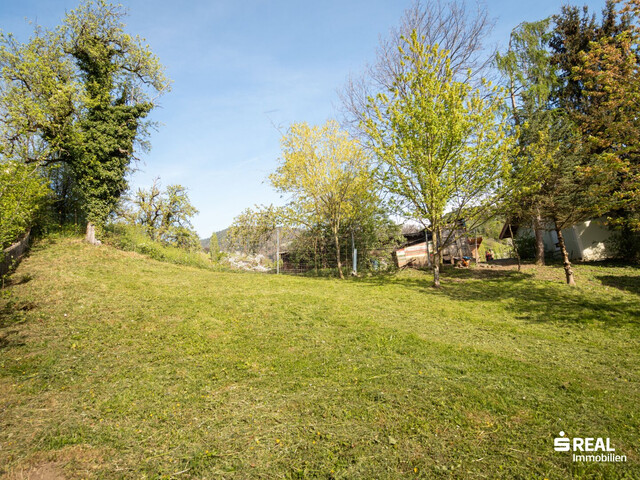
(586, 241)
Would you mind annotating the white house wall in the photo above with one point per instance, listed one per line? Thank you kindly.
(584, 241)
(594, 235)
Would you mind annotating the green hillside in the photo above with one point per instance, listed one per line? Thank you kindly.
(222, 239)
(113, 365)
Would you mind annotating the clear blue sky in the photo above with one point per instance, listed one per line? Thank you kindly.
(240, 67)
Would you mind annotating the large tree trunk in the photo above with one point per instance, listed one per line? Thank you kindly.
(337, 240)
(537, 229)
(90, 236)
(565, 256)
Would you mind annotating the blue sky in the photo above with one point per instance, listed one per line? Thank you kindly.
(238, 69)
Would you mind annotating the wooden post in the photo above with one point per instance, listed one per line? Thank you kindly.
(475, 237)
(277, 251)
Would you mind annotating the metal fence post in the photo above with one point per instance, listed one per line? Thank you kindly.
(354, 270)
(278, 251)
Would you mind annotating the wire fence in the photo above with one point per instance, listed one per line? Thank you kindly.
(320, 259)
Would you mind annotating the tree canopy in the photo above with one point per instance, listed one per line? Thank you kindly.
(441, 143)
(326, 175)
(74, 100)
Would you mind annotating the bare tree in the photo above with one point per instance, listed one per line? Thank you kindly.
(453, 26)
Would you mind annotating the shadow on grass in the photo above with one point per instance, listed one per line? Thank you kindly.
(12, 315)
(627, 283)
(537, 301)
(13, 280)
(542, 302)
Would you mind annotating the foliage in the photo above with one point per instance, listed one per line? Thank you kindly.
(625, 244)
(39, 95)
(442, 144)
(374, 237)
(567, 182)
(574, 31)
(609, 73)
(113, 67)
(455, 26)
(23, 193)
(327, 176)
(531, 82)
(77, 96)
(254, 229)
(133, 238)
(165, 215)
(525, 246)
(214, 248)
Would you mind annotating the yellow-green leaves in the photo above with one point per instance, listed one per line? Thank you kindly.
(441, 144)
(323, 170)
(22, 193)
(326, 174)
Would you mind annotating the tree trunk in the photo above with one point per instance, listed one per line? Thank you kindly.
(513, 242)
(438, 257)
(537, 228)
(90, 236)
(565, 257)
(337, 240)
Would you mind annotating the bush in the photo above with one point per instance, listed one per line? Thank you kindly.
(23, 192)
(625, 245)
(134, 239)
(525, 247)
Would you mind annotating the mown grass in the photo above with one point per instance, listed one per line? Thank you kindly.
(116, 366)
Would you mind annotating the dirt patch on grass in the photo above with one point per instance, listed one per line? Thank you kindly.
(45, 471)
(82, 460)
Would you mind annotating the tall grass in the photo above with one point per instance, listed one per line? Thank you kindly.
(133, 239)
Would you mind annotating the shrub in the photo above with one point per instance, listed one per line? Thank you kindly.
(625, 245)
(134, 239)
(23, 192)
(525, 247)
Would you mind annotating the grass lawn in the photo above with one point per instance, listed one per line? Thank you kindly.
(116, 366)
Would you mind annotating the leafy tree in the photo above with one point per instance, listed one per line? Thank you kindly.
(214, 247)
(38, 100)
(254, 228)
(39, 95)
(22, 195)
(327, 176)
(455, 26)
(165, 215)
(442, 144)
(531, 81)
(567, 182)
(580, 178)
(566, 188)
(609, 73)
(575, 30)
(113, 67)
(78, 97)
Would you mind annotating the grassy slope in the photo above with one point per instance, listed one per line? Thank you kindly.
(113, 365)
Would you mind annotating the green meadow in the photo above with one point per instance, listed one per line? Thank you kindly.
(114, 365)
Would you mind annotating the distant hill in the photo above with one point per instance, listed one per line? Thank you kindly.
(222, 240)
